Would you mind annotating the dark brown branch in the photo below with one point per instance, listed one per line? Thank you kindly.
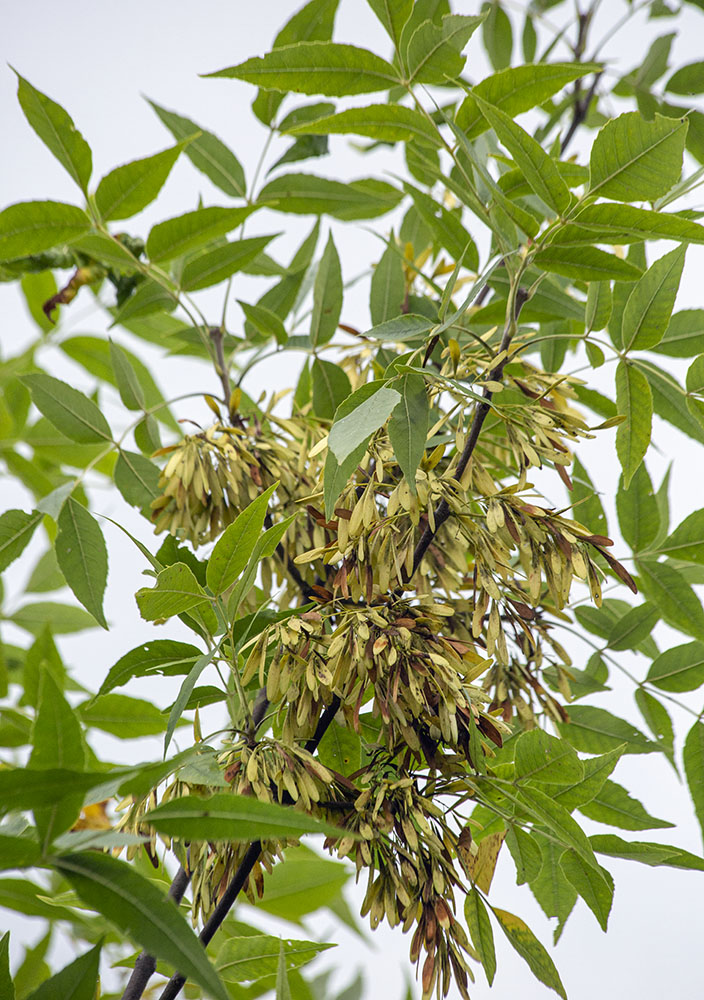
(175, 984)
(442, 511)
(581, 108)
(145, 965)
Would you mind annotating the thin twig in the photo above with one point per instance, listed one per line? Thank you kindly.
(442, 511)
(217, 337)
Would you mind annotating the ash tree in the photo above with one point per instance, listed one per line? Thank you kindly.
(381, 571)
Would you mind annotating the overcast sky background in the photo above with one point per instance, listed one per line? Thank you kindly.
(96, 60)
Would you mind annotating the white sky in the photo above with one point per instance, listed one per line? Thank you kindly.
(96, 60)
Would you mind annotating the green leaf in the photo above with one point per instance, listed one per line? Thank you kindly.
(130, 188)
(127, 718)
(206, 152)
(69, 410)
(393, 15)
(7, 988)
(680, 668)
(693, 758)
(650, 304)
(382, 122)
(77, 981)
(688, 79)
(551, 888)
(137, 478)
(55, 128)
(232, 817)
(340, 749)
(327, 68)
(585, 264)
(446, 227)
(538, 168)
(213, 266)
(541, 757)
(687, 540)
(388, 286)
(637, 508)
(327, 296)
(266, 322)
(556, 819)
(176, 591)
(646, 852)
(301, 885)
(186, 232)
(594, 730)
(137, 907)
(636, 160)
(367, 415)
(595, 886)
(635, 401)
(669, 591)
(330, 387)
(184, 694)
(518, 89)
(497, 36)
(633, 627)
(531, 950)
(598, 308)
(57, 741)
(479, 924)
(16, 530)
(63, 618)
(669, 402)
(626, 224)
(683, 337)
(613, 805)
(82, 557)
(336, 474)
(304, 194)
(433, 53)
(250, 958)
(588, 509)
(126, 379)
(160, 657)
(24, 789)
(401, 329)
(265, 547)
(408, 426)
(658, 721)
(526, 854)
(236, 544)
(33, 226)
(283, 988)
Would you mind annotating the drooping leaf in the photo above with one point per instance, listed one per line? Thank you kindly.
(650, 304)
(393, 15)
(69, 410)
(598, 308)
(479, 924)
(637, 508)
(265, 321)
(614, 806)
(497, 35)
(669, 591)
(126, 190)
(176, 591)
(634, 400)
(206, 152)
(330, 387)
(382, 122)
(636, 160)
(553, 891)
(254, 956)
(408, 426)
(55, 128)
(135, 905)
(556, 819)
(122, 716)
(526, 854)
(83, 557)
(327, 296)
(160, 657)
(137, 478)
(328, 68)
(531, 950)
(388, 286)
(646, 852)
(693, 757)
(658, 721)
(16, 530)
(595, 886)
(185, 692)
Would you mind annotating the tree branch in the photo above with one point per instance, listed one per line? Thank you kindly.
(442, 511)
(176, 983)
